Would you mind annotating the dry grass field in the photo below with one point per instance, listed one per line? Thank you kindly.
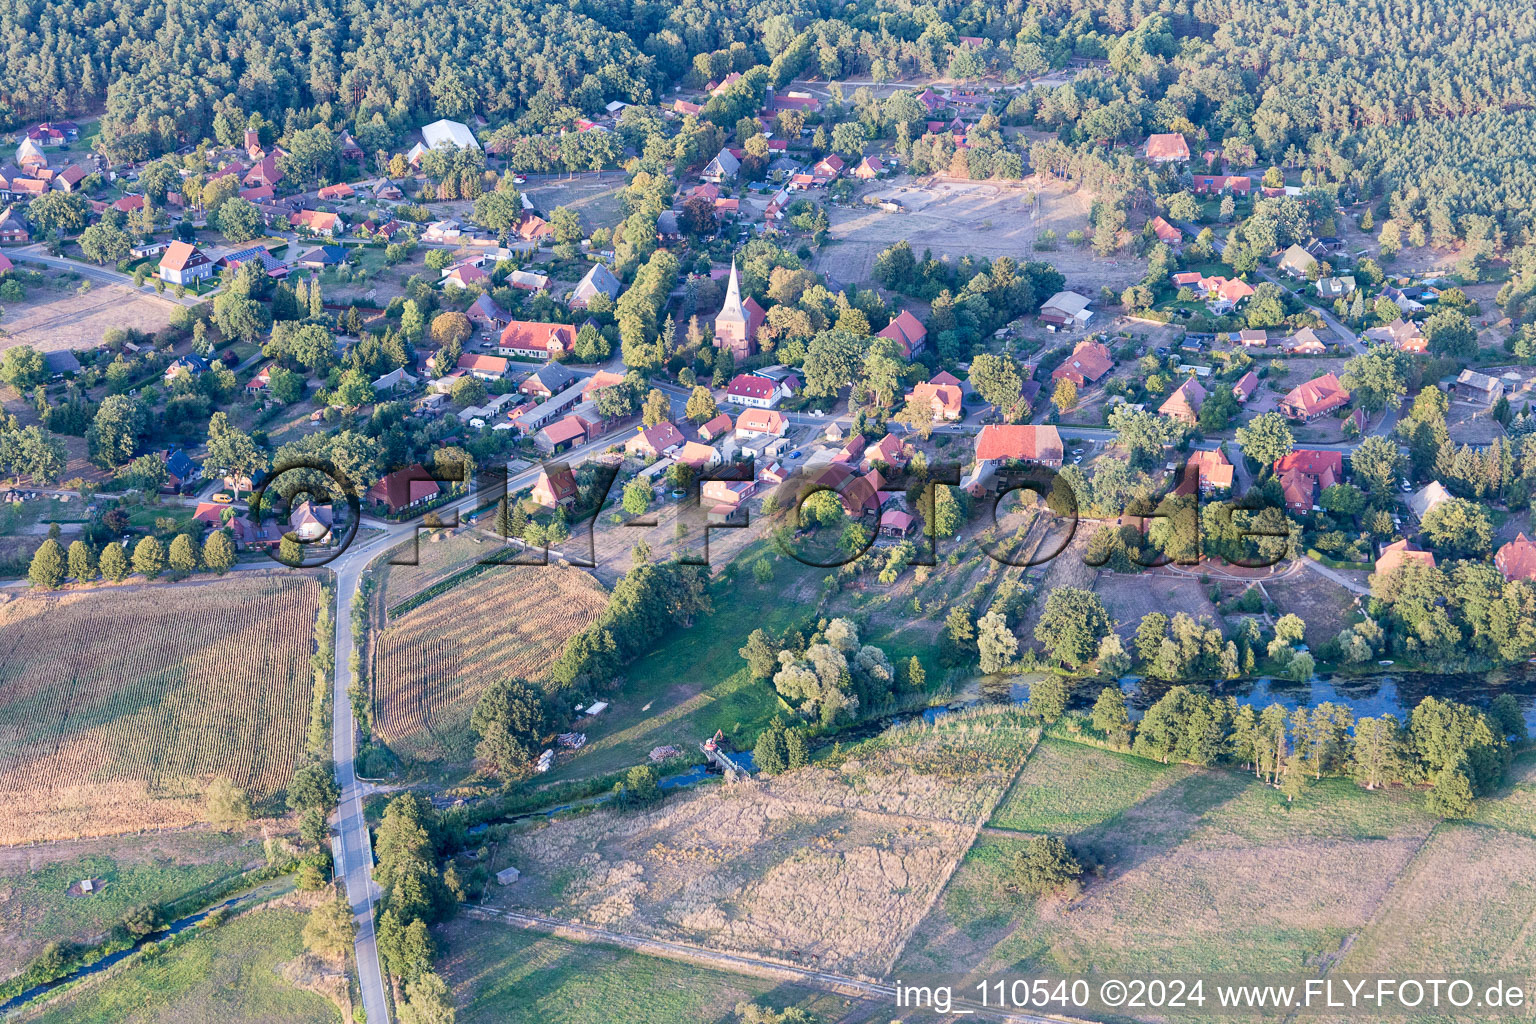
(117, 706)
(431, 664)
(1206, 871)
(50, 320)
(1128, 598)
(829, 866)
(982, 218)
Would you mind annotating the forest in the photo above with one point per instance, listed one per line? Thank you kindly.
(1426, 106)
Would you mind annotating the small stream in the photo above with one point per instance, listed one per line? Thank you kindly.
(175, 928)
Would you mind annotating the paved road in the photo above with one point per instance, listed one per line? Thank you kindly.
(1353, 586)
(1351, 340)
(840, 983)
(101, 275)
(355, 861)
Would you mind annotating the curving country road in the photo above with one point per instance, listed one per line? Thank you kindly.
(353, 843)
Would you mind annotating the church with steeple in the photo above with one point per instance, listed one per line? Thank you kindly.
(738, 320)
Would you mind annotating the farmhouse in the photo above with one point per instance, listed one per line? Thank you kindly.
(448, 133)
(464, 276)
(1214, 184)
(1166, 232)
(1296, 261)
(761, 423)
(1184, 404)
(1305, 342)
(1321, 395)
(655, 441)
(1305, 473)
(316, 222)
(722, 167)
(756, 391)
(1477, 387)
(599, 281)
(1395, 556)
(725, 498)
(1403, 335)
(1212, 472)
(717, 427)
(999, 443)
(484, 312)
(907, 331)
(1426, 498)
(1517, 559)
(530, 340)
(1065, 309)
(184, 264)
(1089, 361)
(1335, 287)
(548, 380)
(944, 399)
(889, 452)
(1166, 149)
(404, 489)
(483, 367)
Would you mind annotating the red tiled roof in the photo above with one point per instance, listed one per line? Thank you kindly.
(533, 336)
(404, 487)
(1394, 556)
(761, 421)
(1316, 396)
(907, 331)
(1026, 442)
(749, 385)
(1517, 559)
(1167, 147)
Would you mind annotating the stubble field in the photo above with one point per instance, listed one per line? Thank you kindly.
(118, 706)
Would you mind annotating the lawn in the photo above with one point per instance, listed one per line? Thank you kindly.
(501, 973)
(37, 908)
(1067, 788)
(228, 974)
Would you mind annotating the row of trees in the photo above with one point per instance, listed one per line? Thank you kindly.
(52, 565)
(1460, 750)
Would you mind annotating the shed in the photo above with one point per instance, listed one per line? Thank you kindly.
(507, 876)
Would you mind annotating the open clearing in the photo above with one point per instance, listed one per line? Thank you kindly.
(230, 974)
(117, 706)
(831, 866)
(966, 218)
(51, 320)
(433, 662)
(1211, 871)
(36, 906)
(1128, 598)
(501, 973)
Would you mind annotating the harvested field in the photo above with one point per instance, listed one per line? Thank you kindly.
(431, 664)
(829, 866)
(437, 553)
(51, 320)
(118, 706)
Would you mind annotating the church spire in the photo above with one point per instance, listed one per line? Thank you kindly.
(733, 309)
